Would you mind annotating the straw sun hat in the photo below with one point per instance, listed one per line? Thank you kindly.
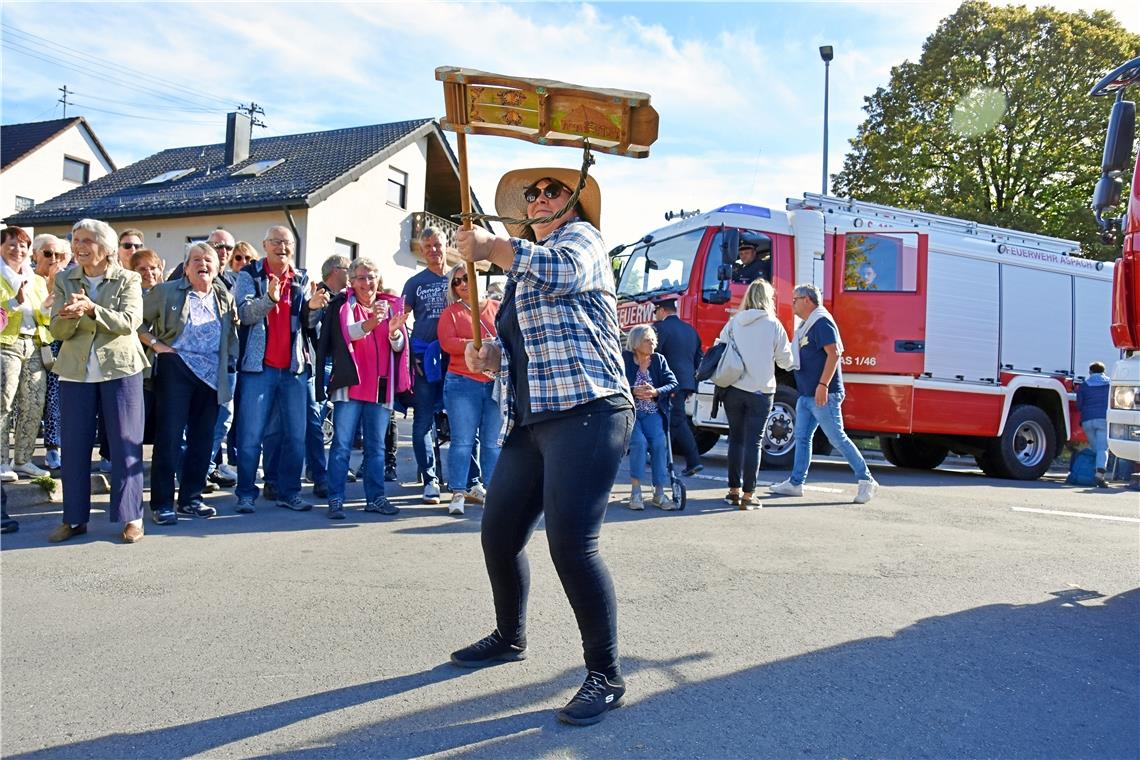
(509, 199)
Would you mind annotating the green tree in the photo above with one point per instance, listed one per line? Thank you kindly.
(994, 123)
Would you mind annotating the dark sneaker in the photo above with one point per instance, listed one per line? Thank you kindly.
(163, 516)
(321, 490)
(336, 509)
(490, 650)
(382, 506)
(245, 507)
(596, 697)
(296, 503)
(390, 473)
(689, 472)
(197, 509)
(220, 477)
(269, 492)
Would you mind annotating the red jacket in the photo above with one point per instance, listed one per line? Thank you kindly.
(454, 331)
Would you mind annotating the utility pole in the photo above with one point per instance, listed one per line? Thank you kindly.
(253, 110)
(63, 100)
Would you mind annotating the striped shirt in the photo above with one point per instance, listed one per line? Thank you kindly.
(567, 312)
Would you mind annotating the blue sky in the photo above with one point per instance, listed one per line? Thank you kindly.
(739, 86)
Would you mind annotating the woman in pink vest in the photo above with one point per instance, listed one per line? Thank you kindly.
(363, 333)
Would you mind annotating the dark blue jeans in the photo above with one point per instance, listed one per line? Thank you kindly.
(747, 414)
(264, 395)
(680, 431)
(426, 399)
(562, 469)
(316, 460)
(182, 402)
(120, 406)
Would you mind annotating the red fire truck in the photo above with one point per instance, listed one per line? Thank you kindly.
(1124, 407)
(958, 336)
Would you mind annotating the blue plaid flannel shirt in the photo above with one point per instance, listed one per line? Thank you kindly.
(567, 310)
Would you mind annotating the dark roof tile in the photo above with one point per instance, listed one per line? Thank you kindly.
(18, 140)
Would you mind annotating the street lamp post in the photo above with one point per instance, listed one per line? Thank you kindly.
(826, 52)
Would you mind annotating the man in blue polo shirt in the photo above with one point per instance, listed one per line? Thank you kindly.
(817, 348)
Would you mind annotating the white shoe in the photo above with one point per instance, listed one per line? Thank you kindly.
(636, 503)
(431, 494)
(7, 474)
(52, 459)
(29, 468)
(477, 493)
(456, 505)
(866, 492)
(786, 488)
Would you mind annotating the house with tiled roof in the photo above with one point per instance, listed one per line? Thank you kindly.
(43, 159)
(360, 191)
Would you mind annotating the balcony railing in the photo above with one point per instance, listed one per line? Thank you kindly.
(423, 219)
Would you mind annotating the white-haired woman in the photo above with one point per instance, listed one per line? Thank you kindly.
(652, 381)
(363, 336)
(191, 326)
(97, 308)
(763, 343)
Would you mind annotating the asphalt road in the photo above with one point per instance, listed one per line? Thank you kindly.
(954, 616)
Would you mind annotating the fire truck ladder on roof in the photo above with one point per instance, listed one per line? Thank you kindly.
(935, 222)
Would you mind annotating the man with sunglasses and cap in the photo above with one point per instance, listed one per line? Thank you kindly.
(569, 414)
(755, 258)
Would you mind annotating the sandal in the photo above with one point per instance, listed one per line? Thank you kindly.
(748, 502)
(732, 497)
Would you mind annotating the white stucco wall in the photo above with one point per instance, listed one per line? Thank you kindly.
(39, 175)
(361, 213)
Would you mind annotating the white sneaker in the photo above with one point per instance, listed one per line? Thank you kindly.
(52, 459)
(29, 468)
(431, 494)
(7, 474)
(786, 488)
(636, 503)
(477, 493)
(866, 492)
(456, 505)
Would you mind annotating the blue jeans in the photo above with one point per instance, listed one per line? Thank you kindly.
(315, 458)
(346, 416)
(426, 398)
(648, 436)
(1097, 433)
(264, 395)
(472, 411)
(222, 427)
(830, 418)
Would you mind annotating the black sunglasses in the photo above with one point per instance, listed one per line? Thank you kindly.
(551, 191)
(221, 247)
(458, 280)
(130, 245)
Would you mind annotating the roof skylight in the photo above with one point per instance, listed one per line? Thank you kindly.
(168, 176)
(257, 168)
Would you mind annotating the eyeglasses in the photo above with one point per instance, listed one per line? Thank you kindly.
(130, 246)
(221, 247)
(53, 254)
(551, 191)
(279, 241)
(366, 277)
(459, 281)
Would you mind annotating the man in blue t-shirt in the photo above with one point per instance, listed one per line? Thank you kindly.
(817, 348)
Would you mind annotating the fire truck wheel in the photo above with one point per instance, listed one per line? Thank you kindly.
(778, 447)
(1026, 447)
(912, 453)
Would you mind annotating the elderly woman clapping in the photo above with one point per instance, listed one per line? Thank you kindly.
(97, 308)
(191, 326)
(24, 295)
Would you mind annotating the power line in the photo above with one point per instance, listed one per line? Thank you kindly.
(144, 118)
(86, 71)
(111, 64)
(89, 96)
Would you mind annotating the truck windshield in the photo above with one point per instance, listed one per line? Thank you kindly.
(663, 266)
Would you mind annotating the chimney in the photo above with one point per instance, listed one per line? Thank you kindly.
(238, 129)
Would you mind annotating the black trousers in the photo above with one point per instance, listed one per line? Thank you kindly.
(747, 414)
(562, 469)
(182, 401)
(680, 432)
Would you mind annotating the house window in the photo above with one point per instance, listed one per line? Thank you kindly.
(397, 188)
(346, 248)
(23, 204)
(75, 170)
(192, 239)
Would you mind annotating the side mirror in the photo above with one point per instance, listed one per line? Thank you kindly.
(1118, 140)
(1107, 193)
(729, 249)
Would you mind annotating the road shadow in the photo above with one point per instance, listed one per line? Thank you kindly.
(1056, 679)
